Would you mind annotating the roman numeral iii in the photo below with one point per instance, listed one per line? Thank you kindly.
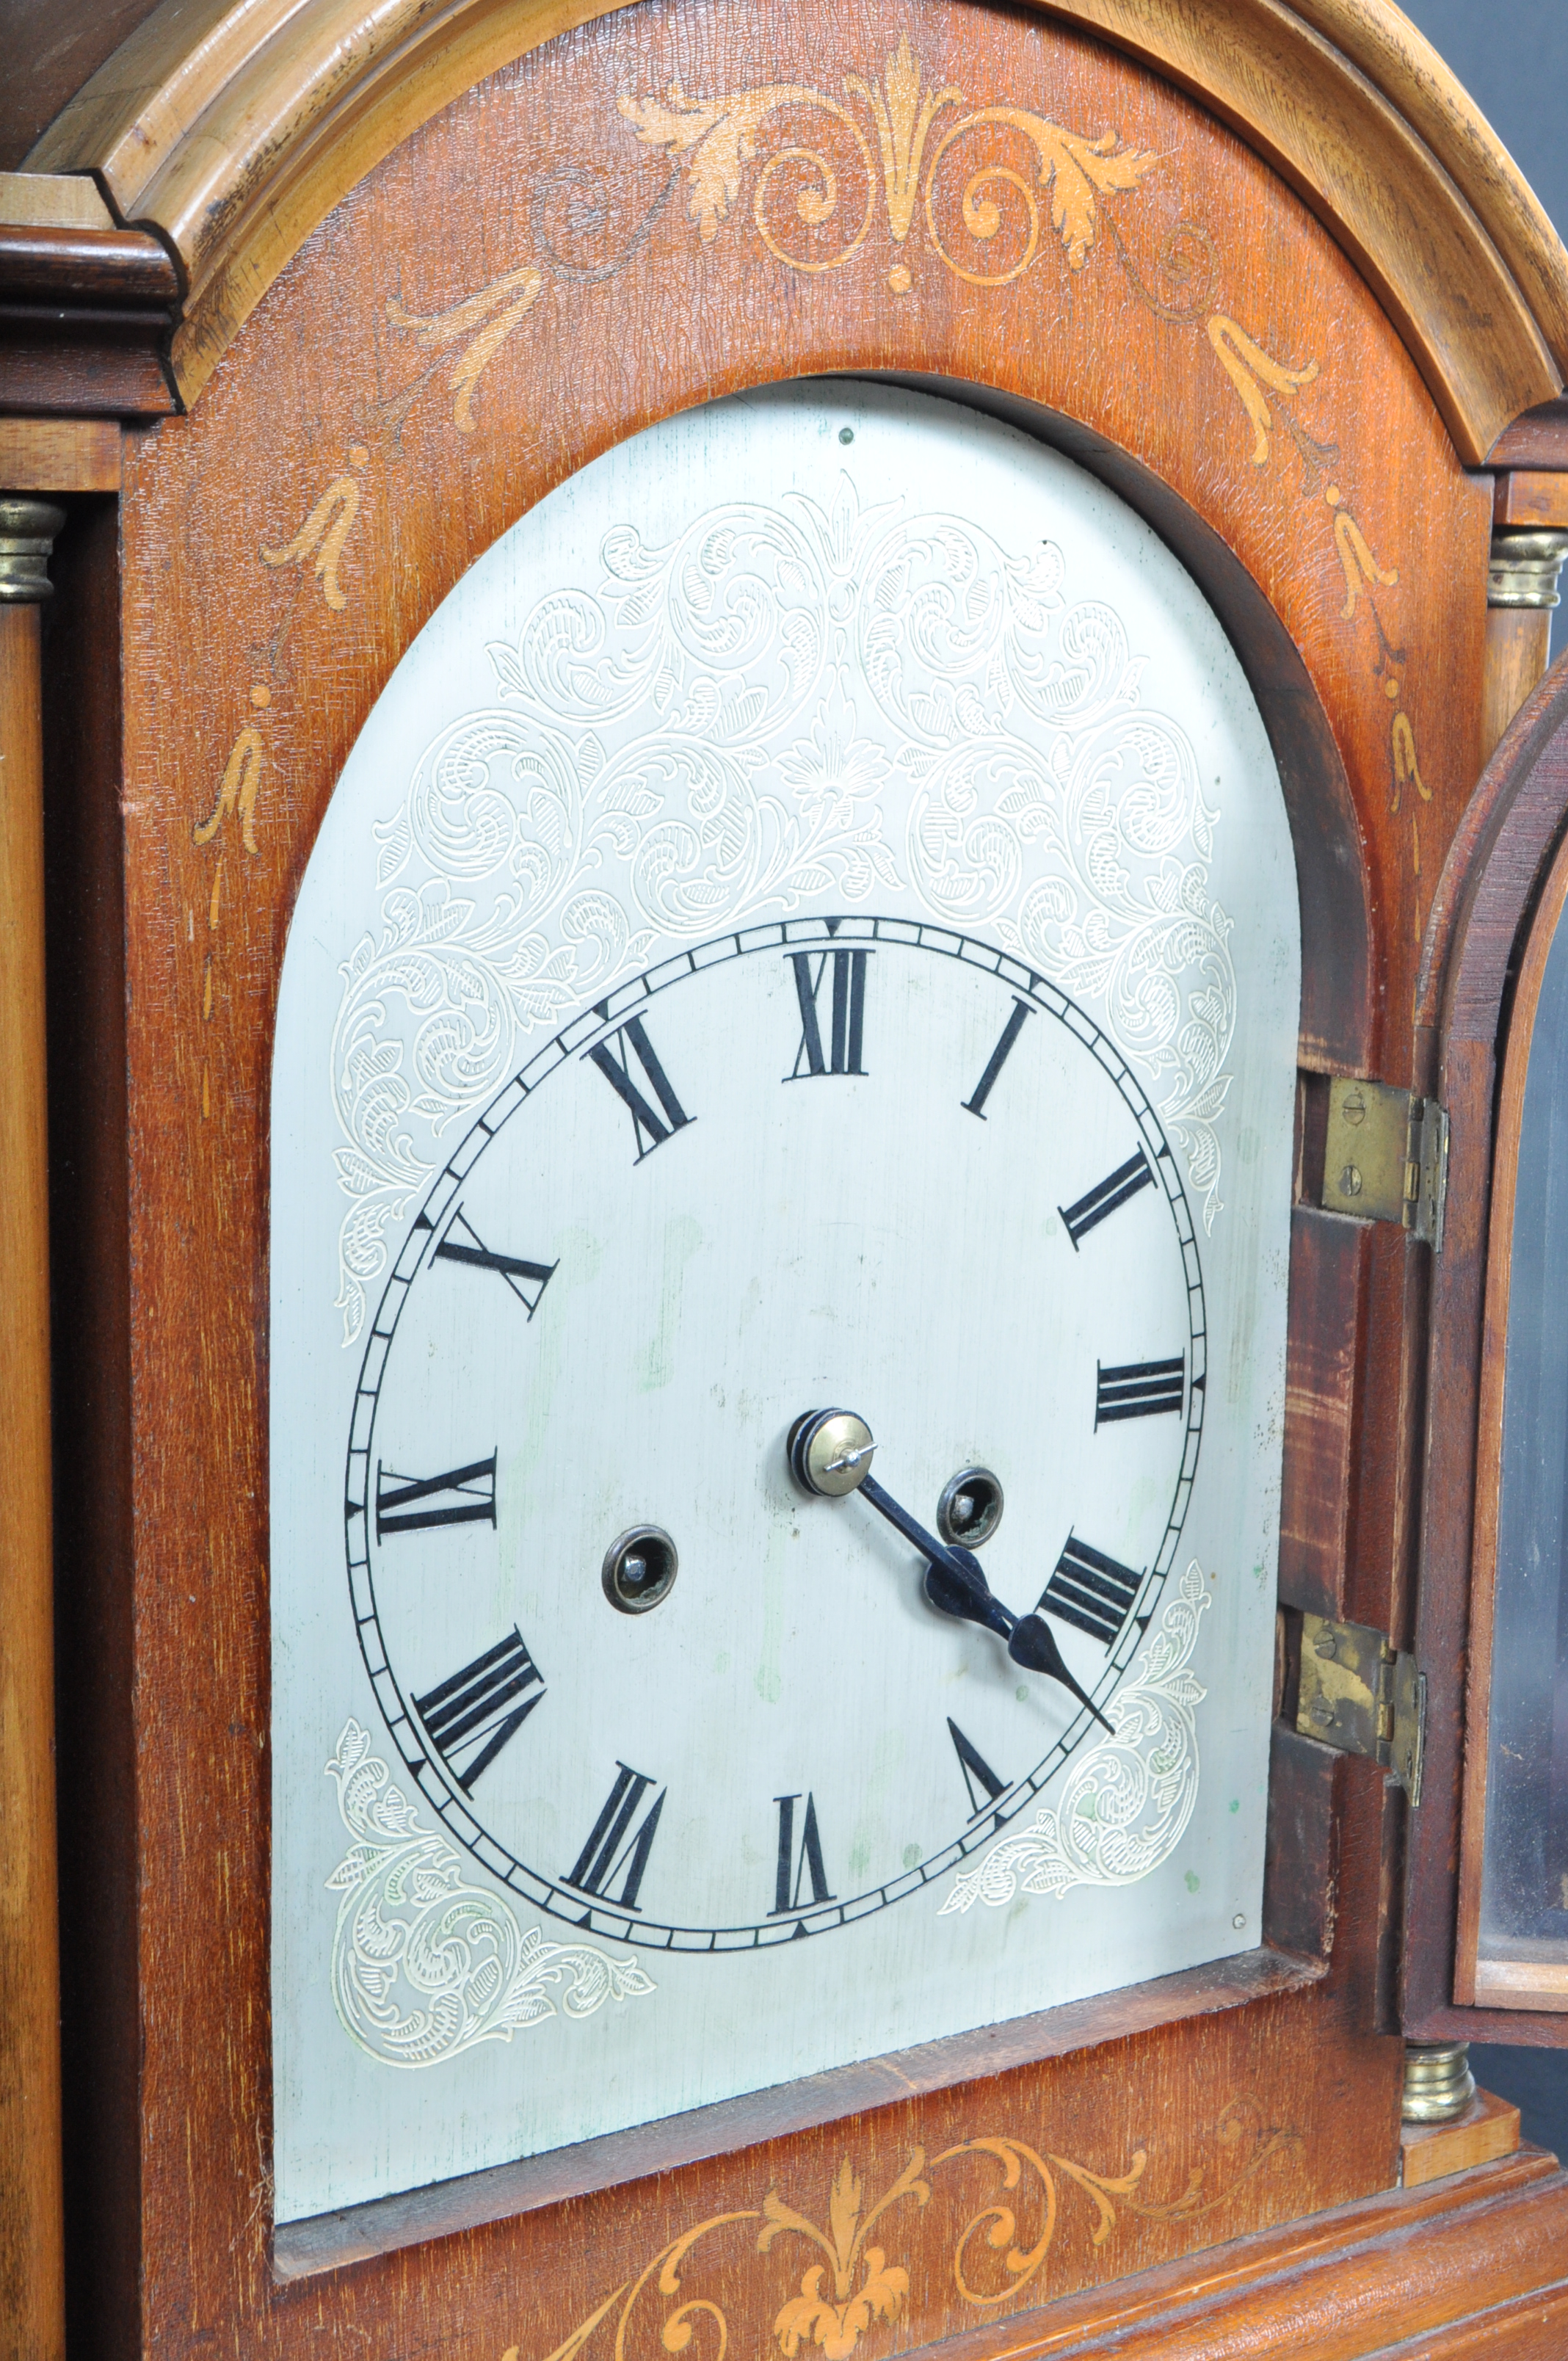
(620, 1842)
(1090, 1591)
(463, 1243)
(1137, 1389)
(613, 1058)
(412, 1504)
(797, 1862)
(846, 1039)
(473, 1714)
(1113, 1191)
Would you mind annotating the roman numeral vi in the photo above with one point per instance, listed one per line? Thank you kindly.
(795, 1864)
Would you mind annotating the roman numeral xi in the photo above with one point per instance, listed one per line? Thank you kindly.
(613, 1058)
(474, 1715)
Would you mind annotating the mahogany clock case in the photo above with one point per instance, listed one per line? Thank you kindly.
(565, 253)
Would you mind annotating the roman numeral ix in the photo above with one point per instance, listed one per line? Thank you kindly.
(796, 1864)
(846, 1039)
(613, 1058)
(1137, 1389)
(463, 1495)
(618, 1843)
(473, 1713)
(527, 1280)
(1113, 1191)
(1090, 1591)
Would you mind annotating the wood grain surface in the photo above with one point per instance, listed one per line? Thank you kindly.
(59, 455)
(238, 130)
(1492, 874)
(32, 2251)
(522, 283)
(1488, 2129)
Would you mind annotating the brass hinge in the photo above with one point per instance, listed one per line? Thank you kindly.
(1361, 1695)
(1386, 1158)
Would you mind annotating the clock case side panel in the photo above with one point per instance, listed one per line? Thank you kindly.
(275, 429)
(93, 1327)
(1491, 892)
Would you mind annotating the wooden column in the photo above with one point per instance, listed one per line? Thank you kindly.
(32, 2282)
(1521, 593)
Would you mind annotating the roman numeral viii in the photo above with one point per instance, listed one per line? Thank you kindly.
(412, 1504)
(620, 1842)
(846, 1038)
(797, 1862)
(1137, 1389)
(1113, 1191)
(1090, 1591)
(527, 1280)
(613, 1058)
(473, 1713)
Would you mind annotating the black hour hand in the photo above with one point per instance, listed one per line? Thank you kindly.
(955, 1585)
(1033, 1644)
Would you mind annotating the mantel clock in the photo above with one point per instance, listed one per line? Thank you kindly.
(790, 767)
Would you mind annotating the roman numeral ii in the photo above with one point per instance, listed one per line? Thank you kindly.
(1113, 1191)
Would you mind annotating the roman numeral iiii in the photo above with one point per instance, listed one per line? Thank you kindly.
(1090, 1591)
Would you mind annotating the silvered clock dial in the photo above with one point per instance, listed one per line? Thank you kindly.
(851, 1158)
(780, 1168)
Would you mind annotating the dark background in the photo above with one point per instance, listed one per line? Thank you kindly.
(1512, 57)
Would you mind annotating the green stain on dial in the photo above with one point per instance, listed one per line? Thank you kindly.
(1193, 1881)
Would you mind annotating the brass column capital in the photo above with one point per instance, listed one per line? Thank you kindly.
(1525, 567)
(28, 531)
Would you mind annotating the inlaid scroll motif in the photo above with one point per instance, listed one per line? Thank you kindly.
(1124, 1807)
(1001, 176)
(1018, 2193)
(423, 1966)
(715, 733)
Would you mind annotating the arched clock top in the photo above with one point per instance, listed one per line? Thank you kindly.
(236, 146)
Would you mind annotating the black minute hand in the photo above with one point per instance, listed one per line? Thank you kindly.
(828, 1453)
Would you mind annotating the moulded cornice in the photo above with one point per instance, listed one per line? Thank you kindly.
(233, 126)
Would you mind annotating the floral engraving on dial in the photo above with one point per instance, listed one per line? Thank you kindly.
(1125, 1807)
(718, 732)
(409, 1925)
